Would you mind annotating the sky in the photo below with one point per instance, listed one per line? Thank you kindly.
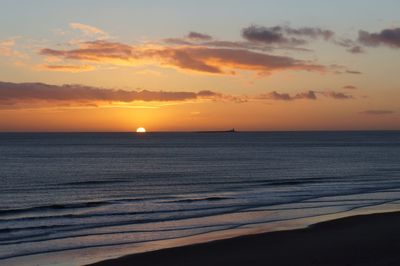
(199, 65)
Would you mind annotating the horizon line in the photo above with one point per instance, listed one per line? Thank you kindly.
(201, 131)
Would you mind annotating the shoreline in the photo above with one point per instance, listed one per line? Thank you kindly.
(371, 239)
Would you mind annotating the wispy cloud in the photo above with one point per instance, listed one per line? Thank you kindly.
(354, 72)
(7, 48)
(89, 30)
(350, 87)
(378, 112)
(239, 44)
(356, 49)
(350, 45)
(66, 68)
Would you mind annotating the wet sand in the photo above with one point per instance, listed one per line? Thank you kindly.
(360, 240)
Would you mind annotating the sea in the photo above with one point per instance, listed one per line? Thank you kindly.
(77, 198)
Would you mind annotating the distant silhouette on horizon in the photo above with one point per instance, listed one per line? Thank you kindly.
(218, 131)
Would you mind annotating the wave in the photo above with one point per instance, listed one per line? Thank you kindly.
(28, 239)
(229, 227)
(95, 182)
(75, 227)
(199, 199)
(125, 213)
(78, 205)
(208, 182)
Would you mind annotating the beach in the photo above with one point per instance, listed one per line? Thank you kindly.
(359, 240)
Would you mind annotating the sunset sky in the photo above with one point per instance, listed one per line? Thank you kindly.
(199, 65)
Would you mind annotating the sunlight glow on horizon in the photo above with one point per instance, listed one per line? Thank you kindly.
(141, 130)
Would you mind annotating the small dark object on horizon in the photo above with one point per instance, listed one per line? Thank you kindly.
(218, 131)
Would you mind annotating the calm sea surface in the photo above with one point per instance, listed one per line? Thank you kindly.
(87, 191)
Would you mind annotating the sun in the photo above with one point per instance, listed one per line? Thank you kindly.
(140, 130)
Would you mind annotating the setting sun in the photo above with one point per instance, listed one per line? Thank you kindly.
(140, 130)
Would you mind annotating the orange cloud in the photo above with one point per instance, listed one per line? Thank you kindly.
(200, 59)
(67, 68)
(7, 48)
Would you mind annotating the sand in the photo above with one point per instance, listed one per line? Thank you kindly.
(360, 240)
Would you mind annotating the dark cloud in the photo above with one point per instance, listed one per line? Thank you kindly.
(272, 35)
(207, 93)
(349, 87)
(193, 38)
(353, 72)
(201, 59)
(309, 95)
(337, 95)
(356, 50)
(27, 92)
(237, 45)
(306, 95)
(344, 42)
(218, 44)
(388, 37)
(341, 69)
(276, 96)
(378, 112)
(351, 45)
(284, 35)
(198, 36)
(310, 32)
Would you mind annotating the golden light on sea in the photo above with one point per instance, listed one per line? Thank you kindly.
(140, 130)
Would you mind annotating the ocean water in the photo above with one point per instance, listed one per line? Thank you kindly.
(74, 198)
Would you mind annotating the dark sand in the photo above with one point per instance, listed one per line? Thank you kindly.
(359, 240)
